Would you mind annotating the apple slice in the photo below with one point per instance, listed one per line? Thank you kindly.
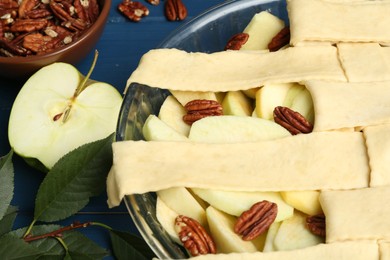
(226, 240)
(270, 96)
(304, 201)
(293, 234)
(303, 103)
(269, 240)
(156, 130)
(181, 201)
(171, 113)
(58, 110)
(236, 202)
(186, 96)
(237, 103)
(261, 29)
(251, 93)
(292, 93)
(228, 129)
(166, 216)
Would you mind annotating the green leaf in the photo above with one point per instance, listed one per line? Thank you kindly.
(128, 246)
(7, 221)
(12, 247)
(76, 242)
(75, 178)
(6, 182)
(80, 245)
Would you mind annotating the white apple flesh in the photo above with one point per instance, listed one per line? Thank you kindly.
(37, 128)
(236, 202)
(171, 113)
(222, 230)
(155, 129)
(229, 129)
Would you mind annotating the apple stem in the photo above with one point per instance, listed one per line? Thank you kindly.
(83, 85)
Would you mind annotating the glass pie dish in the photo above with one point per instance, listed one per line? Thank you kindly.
(208, 32)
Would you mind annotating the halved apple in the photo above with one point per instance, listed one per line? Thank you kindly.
(228, 129)
(236, 202)
(54, 113)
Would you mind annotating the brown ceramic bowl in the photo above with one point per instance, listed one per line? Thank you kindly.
(23, 67)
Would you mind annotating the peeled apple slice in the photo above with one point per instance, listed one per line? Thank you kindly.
(235, 202)
(261, 29)
(228, 129)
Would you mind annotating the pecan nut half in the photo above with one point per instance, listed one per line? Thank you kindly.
(175, 10)
(134, 11)
(194, 237)
(200, 108)
(280, 40)
(236, 41)
(316, 224)
(293, 121)
(255, 221)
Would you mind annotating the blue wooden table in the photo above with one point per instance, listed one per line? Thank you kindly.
(120, 48)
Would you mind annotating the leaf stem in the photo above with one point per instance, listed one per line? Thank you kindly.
(28, 231)
(62, 242)
(55, 233)
(101, 225)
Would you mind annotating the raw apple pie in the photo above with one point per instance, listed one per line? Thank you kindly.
(298, 137)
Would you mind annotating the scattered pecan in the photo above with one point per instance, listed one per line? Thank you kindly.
(236, 41)
(134, 11)
(194, 237)
(255, 221)
(200, 108)
(293, 121)
(175, 10)
(153, 2)
(316, 224)
(280, 40)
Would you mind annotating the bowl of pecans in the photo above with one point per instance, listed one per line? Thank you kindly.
(36, 33)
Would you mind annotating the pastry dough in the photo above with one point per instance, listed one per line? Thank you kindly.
(235, 70)
(329, 160)
(340, 105)
(384, 250)
(378, 148)
(356, 214)
(339, 21)
(364, 62)
(362, 250)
